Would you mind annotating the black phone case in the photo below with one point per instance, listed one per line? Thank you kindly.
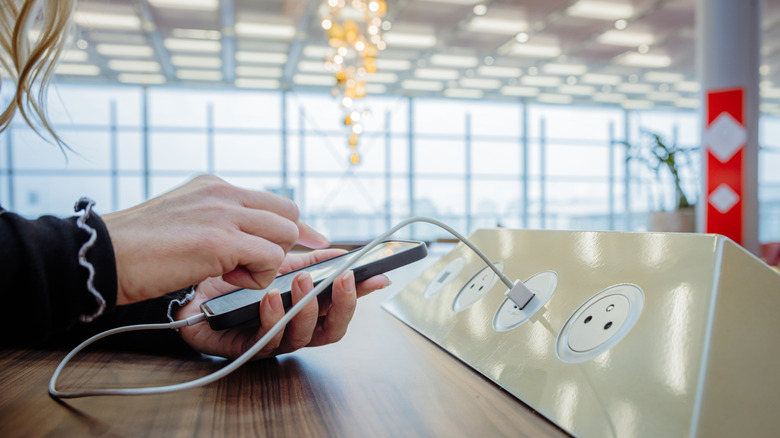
(250, 312)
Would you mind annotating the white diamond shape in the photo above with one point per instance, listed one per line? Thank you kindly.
(725, 137)
(723, 198)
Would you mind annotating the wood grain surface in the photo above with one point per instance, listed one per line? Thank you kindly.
(382, 380)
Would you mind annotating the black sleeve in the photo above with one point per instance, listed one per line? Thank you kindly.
(47, 296)
(44, 288)
(153, 311)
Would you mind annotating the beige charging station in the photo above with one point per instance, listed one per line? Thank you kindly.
(629, 334)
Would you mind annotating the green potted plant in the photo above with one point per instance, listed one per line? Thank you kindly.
(657, 155)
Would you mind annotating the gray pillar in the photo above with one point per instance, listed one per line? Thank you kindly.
(729, 37)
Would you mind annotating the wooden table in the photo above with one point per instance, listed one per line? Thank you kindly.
(382, 379)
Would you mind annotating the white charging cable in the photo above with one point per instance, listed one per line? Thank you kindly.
(517, 292)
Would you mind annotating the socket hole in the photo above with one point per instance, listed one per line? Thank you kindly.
(472, 287)
(610, 307)
(481, 287)
(587, 320)
(608, 325)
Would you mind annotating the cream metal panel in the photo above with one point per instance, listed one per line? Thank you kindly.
(698, 361)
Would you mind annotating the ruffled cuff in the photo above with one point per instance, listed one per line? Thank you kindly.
(96, 251)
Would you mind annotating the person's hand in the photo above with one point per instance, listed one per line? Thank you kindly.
(205, 228)
(320, 322)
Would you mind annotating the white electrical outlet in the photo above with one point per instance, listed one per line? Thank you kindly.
(444, 277)
(476, 288)
(600, 323)
(509, 316)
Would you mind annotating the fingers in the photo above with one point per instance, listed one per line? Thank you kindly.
(311, 238)
(298, 332)
(214, 287)
(310, 327)
(374, 283)
(343, 303)
(254, 263)
(271, 311)
(269, 226)
(298, 261)
(268, 201)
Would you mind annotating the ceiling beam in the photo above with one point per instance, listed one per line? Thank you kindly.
(152, 31)
(296, 47)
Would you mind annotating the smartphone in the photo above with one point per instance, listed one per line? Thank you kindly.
(242, 306)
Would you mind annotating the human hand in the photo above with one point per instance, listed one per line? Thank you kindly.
(320, 322)
(205, 228)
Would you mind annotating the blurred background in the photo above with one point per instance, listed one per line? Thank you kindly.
(527, 114)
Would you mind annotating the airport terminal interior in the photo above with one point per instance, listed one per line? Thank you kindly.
(481, 113)
(617, 161)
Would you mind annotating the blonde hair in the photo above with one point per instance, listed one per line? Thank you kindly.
(31, 63)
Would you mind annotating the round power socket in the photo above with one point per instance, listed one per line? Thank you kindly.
(476, 288)
(600, 323)
(444, 277)
(509, 316)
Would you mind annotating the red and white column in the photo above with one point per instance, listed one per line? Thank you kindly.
(729, 34)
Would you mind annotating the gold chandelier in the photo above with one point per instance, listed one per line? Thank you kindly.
(354, 30)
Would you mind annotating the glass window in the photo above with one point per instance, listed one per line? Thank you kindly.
(495, 204)
(91, 105)
(130, 150)
(769, 180)
(574, 123)
(244, 109)
(440, 197)
(130, 191)
(490, 158)
(247, 152)
(178, 151)
(439, 157)
(322, 113)
(577, 160)
(323, 153)
(433, 116)
(177, 107)
(90, 150)
(677, 127)
(56, 194)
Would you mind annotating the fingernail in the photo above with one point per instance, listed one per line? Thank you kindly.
(275, 299)
(389, 283)
(324, 240)
(348, 281)
(303, 278)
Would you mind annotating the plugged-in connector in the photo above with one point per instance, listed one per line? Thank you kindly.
(520, 295)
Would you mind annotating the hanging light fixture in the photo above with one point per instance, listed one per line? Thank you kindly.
(354, 32)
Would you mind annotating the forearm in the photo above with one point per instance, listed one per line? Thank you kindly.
(45, 269)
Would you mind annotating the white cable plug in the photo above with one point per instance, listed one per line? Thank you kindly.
(278, 327)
